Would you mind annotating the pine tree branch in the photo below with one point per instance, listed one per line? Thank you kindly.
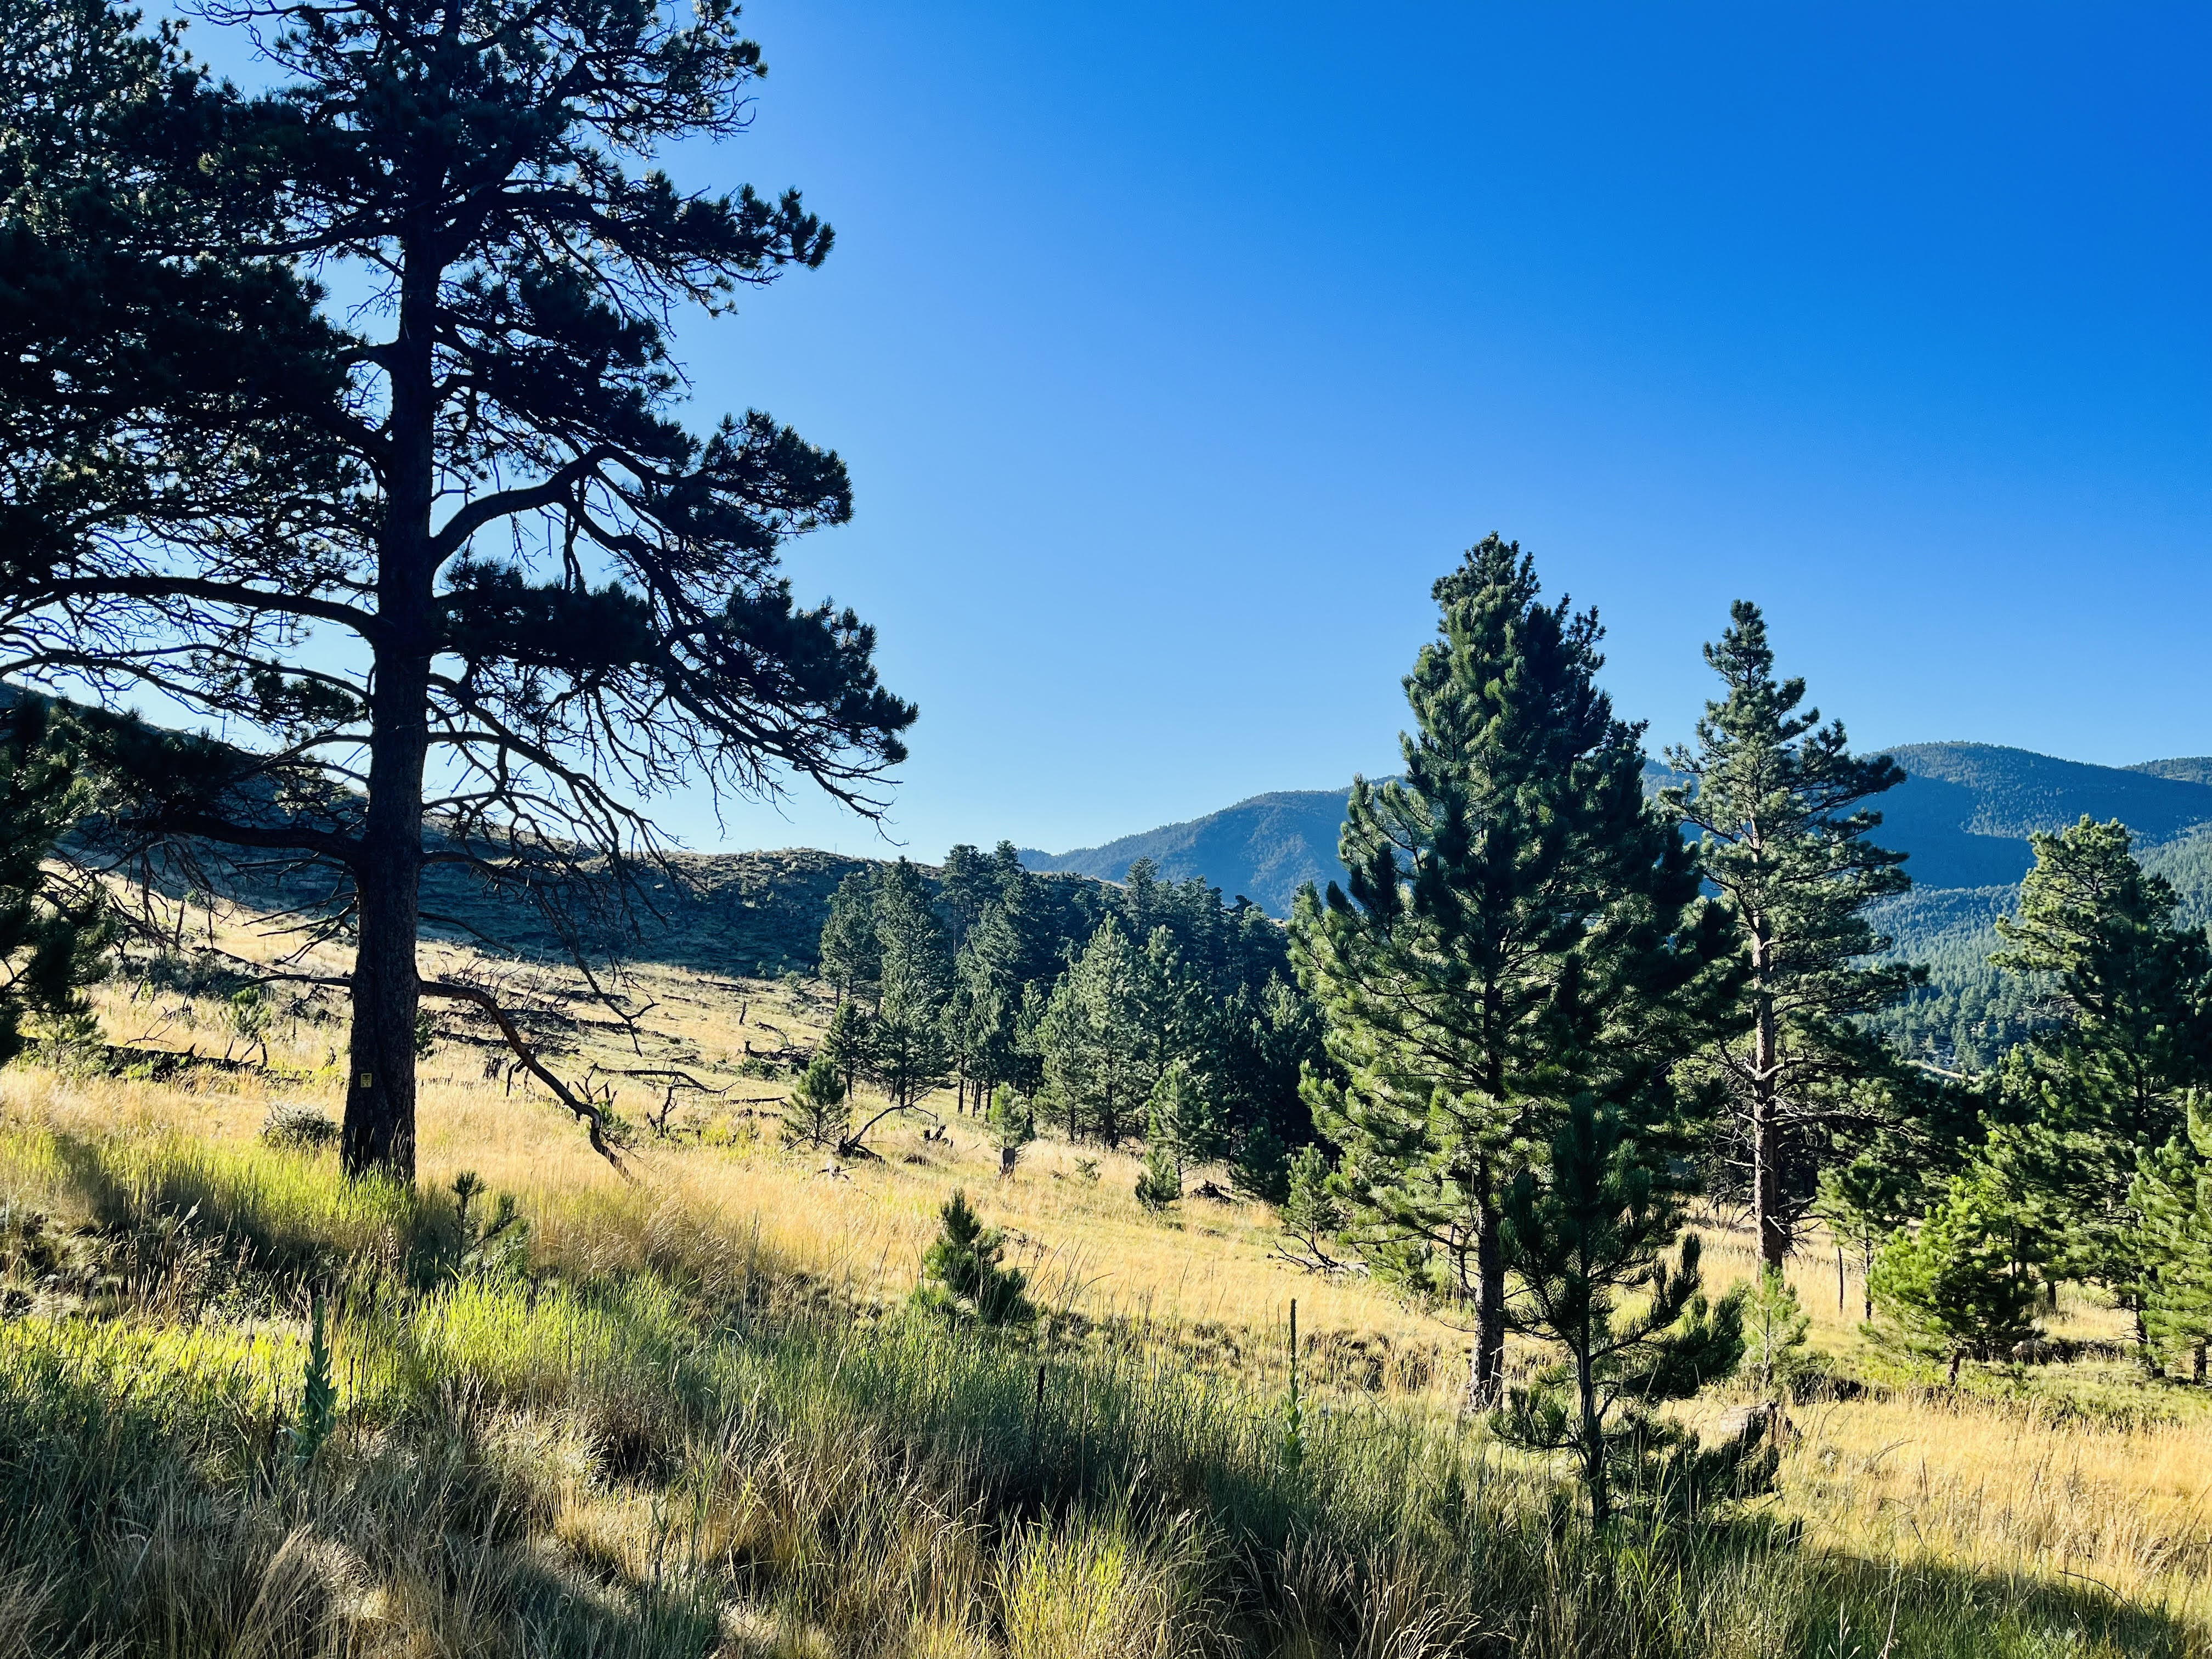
(588, 1114)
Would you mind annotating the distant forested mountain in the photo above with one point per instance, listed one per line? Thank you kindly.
(1264, 848)
(1964, 814)
(2194, 769)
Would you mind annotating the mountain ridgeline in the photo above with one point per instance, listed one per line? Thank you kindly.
(1964, 814)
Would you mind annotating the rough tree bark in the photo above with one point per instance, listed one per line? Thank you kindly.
(379, 1112)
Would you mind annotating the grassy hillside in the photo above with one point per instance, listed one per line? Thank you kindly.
(691, 1410)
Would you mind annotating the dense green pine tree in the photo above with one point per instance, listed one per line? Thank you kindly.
(819, 1113)
(907, 1052)
(1521, 929)
(1953, 1285)
(2105, 1080)
(851, 959)
(1183, 1118)
(966, 882)
(983, 1015)
(1777, 799)
(2173, 1193)
(1094, 1060)
(845, 1045)
(1584, 1237)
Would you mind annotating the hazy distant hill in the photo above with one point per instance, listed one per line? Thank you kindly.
(1964, 814)
(1966, 809)
(2195, 768)
(1263, 848)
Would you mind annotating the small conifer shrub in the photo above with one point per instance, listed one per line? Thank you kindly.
(1159, 1184)
(496, 1247)
(1311, 1214)
(962, 1275)
(1012, 1124)
(820, 1113)
(1774, 1332)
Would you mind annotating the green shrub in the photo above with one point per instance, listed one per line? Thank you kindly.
(817, 1114)
(1159, 1184)
(961, 1273)
(293, 1127)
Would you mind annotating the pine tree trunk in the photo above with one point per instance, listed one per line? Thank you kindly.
(1485, 1380)
(1766, 1128)
(378, 1135)
(1593, 1445)
(2197, 1365)
(1957, 1355)
(2143, 1348)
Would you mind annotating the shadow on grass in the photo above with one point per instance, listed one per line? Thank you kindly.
(1403, 1511)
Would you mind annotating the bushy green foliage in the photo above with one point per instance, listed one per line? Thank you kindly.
(1159, 1182)
(1584, 1237)
(962, 1274)
(1952, 1285)
(819, 1113)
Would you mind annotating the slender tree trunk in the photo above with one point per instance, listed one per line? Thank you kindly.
(1957, 1354)
(1486, 1381)
(378, 1133)
(2197, 1365)
(2149, 1354)
(1593, 1446)
(1766, 1128)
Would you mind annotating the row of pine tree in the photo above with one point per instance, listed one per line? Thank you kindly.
(1148, 1011)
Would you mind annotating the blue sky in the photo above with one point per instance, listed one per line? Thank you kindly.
(1177, 348)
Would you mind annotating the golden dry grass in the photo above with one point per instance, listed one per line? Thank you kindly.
(2070, 1476)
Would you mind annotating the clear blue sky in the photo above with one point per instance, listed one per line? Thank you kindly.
(1177, 348)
